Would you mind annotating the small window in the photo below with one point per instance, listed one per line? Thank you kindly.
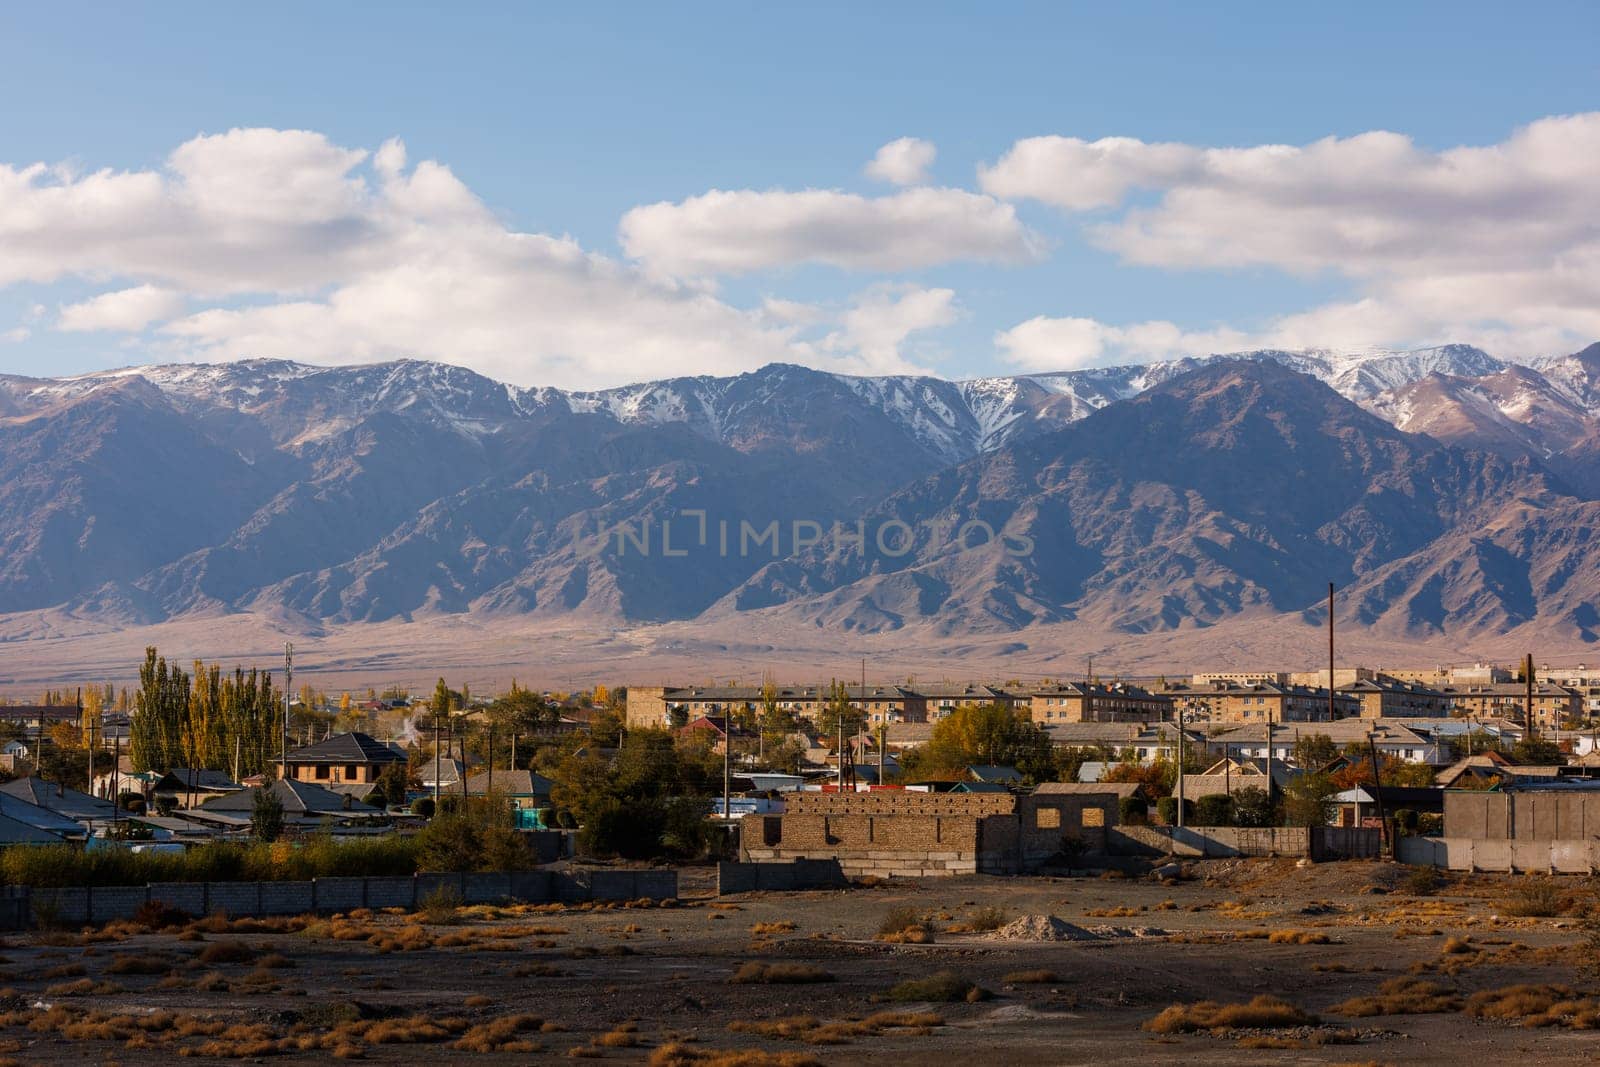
(1047, 818)
(1094, 817)
(322, 771)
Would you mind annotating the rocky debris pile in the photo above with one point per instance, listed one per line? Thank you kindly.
(1042, 928)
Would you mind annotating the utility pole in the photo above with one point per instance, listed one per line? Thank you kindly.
(1377, 789)
(490, 789)
(1180, 766)
(1527, 674)
(288, 690)
(436, 762)
(1331, 712)
(88, 729)
(727, 757)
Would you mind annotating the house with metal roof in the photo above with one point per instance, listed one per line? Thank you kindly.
(354, 758)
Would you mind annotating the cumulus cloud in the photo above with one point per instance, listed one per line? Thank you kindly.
(875, 329)
(1047, 344)
(298, 248)
(737, 231)
(123, 309)
(1494, 242)
(903, 161)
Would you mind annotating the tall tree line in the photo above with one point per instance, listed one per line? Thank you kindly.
(207, 720)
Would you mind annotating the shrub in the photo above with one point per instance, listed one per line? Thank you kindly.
(1263, 1012)
(1297, 937)
(898, 918)
(940, 987)
(422, 806)
(1422, 881)
(1040, 977)
(226, 952)
(1167, 810)
(1133, 811)
(1533, 898)
(756, 973)
(159, 915)
(441, 906)
(1252, 807)
(1215, 809)
(1401, 996)
(988, 918)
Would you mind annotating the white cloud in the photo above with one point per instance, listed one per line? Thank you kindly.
(881, 320)
(16, 335)
(128, 310)
(299, 248)
(1472, 243)
(1081, 175)
(733, 232)
(904, 161)
(1046, 344)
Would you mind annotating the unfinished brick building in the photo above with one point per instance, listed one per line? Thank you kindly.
(913, 835)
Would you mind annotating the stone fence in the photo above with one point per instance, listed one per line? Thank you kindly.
(21, 906)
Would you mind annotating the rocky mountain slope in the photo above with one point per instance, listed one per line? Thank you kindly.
(1446, 489)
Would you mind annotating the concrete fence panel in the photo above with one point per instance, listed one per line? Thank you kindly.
(340, 894)
(187, 897)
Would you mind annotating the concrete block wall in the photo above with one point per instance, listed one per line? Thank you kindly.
(189, 897)
(85, 905)
(1567, 856)
(397, 891)
(1211, 841)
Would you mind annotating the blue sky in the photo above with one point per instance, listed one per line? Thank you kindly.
(559, 122)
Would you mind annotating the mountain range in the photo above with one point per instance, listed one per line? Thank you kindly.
(1445, 492)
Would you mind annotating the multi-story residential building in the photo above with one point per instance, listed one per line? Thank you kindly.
(1259, 702)
(1206, 678)
(1093, 702)
(940, 699)
(1387, 698)
(1553, 705)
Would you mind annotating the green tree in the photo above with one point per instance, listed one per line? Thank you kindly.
(1314, 751)
(1308, 800)
(1536, 751)
(988, 734)
(1252, 807)
(266, 816)
(838, 712)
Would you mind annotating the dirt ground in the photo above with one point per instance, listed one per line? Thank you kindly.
(652, 984)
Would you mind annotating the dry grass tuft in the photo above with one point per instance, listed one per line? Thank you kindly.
(1536, 1005)
(757, 973)
(226, 952)
(84, 987)
(940, 987)
(1119, 912)
(500, 1035)
(1298, 937)
(812, 1031)
(772, 929)
(903, 925)
(139, 965)
(1040, 977)
(1262, 1013)
(1401, 996)
(1535, 898)
(680, 1055)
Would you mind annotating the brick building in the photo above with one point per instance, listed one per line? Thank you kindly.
(914, 835)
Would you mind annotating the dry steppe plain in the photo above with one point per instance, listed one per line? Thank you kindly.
(658, 984)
